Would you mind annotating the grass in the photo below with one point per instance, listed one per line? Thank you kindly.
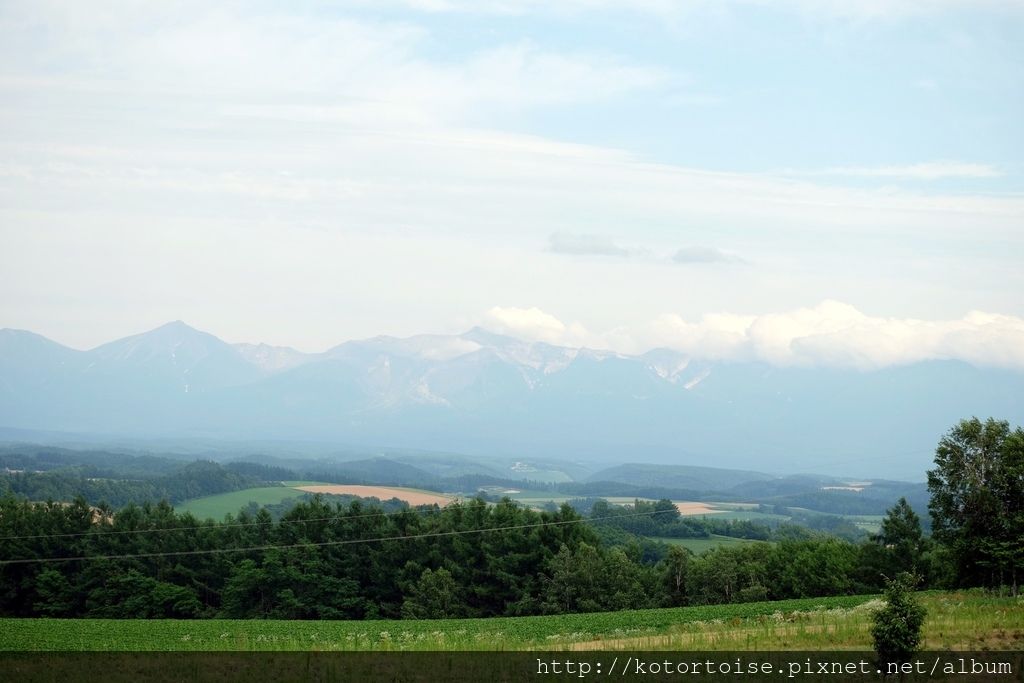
(955, 621)
(699, 545)
(215, 507)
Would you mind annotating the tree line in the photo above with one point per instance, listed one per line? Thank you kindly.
(433, 563)
(324, 559)
(193, 480)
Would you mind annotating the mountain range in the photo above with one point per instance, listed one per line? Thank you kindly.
(489, 394)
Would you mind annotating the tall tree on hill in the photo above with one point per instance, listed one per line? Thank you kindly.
(977, 502)
(902, 539)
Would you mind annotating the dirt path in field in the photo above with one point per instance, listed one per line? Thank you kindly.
(382, 492)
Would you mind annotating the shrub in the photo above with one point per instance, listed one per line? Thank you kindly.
(897, 626)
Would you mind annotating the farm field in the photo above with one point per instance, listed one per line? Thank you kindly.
(699, 545)
(216, 506)
(751, 516)
(688, 508)
(955, 621)
(869, 523)
(409, 495)
(536, 499)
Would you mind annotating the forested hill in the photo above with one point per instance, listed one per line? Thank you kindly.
(116, 479)
(102, 476)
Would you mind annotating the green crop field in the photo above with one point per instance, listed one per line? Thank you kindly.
(955, 620)
(750, 515)
(699, 545)
(215, 507)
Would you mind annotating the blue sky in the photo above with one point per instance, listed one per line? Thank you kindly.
(804, 182)
(780, 86)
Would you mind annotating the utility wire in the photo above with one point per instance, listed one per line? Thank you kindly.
(321, 544)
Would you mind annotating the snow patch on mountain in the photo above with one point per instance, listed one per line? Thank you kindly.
(272, 358)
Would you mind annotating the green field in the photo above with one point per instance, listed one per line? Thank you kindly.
(699, 545)
(215, 507)
(955, 621)
(869, 523)
(750, 516)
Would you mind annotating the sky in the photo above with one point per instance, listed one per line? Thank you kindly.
(819, 182)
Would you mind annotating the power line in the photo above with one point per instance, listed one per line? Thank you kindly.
(320, 544)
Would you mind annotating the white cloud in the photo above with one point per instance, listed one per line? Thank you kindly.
(874, 10)
(849, 10)
(831, 334)
(702, 255)
(341, 68)
(533, 324)
(586, 245)
(345, 164)
(934, 170)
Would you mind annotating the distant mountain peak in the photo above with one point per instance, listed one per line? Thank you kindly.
(271, 358)
(24, 348)
(10, 333)
(179, 327)
(486, 337)
(486, 392)
(175, 341)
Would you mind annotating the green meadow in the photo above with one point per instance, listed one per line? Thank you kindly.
(956, 620)
(217, 506)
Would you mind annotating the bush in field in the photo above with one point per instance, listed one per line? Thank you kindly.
(897, 626)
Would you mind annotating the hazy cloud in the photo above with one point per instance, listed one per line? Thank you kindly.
(849, 10)
(583, 245)
(354, 70)
(696, 255)
(934, 170)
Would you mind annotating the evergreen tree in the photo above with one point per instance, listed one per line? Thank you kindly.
(897, 626)
(902, 539)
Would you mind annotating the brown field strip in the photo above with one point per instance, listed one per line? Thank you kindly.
(688, 508)
(381, 492)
